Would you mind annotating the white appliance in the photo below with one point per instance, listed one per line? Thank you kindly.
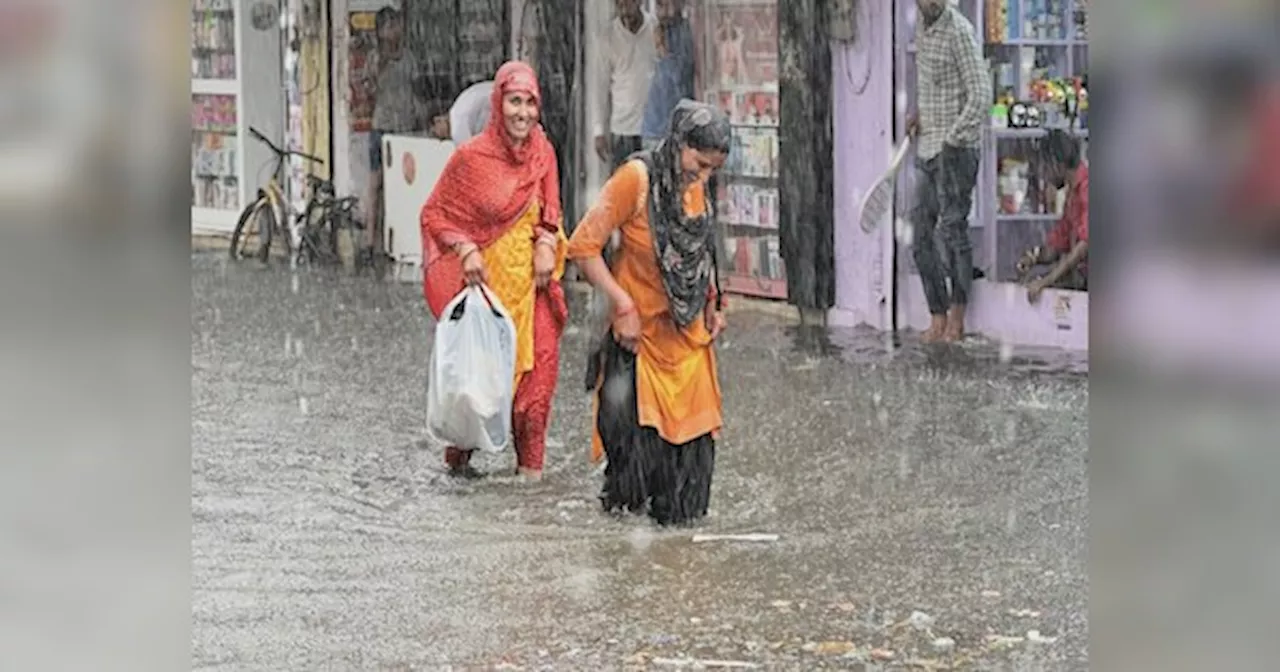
(410, 167)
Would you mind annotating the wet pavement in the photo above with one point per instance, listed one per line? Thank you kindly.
(949, 481)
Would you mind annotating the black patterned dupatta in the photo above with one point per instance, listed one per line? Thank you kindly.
(685, 246)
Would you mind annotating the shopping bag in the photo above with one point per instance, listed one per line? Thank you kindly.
(471, 374)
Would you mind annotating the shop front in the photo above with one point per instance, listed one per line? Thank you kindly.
(773, 197)
(455, 43)
(1037, 53)
(260, 65)
(737, 70)
(236, 84)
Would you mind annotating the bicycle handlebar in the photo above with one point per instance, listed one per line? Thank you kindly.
(281, 153)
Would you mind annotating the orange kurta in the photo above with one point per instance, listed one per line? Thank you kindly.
(677, 389)
(509, 264)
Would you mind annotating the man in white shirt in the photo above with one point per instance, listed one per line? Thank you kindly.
(470, 111)
(630, 57)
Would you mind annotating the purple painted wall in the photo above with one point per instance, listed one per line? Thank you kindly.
(863, 99)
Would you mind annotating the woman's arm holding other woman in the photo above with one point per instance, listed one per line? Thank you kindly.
(617, 204)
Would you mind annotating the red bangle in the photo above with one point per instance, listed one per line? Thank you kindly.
(624, 313)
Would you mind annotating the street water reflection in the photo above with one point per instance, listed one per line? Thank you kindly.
(945, 481)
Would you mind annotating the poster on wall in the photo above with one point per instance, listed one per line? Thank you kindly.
(744, 49)
(362, 69)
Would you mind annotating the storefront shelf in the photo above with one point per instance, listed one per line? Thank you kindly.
(769, 288)
(1026, 217)
(1028, 133)
(223, 87)
(738, 72)
(227, 98)
(1034, 42)
(748, 225)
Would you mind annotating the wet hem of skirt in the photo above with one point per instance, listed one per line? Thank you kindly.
(649, 476)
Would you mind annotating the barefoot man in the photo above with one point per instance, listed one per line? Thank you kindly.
(952, 96)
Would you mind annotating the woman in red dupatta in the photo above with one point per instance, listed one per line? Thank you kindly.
(494, 217)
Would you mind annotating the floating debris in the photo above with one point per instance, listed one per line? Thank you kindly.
(753, 538)
(1035, 637)
(705, 664)
(1002, 641)
(833, 648)
(920, 620)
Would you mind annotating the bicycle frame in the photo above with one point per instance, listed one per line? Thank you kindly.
(273, 192)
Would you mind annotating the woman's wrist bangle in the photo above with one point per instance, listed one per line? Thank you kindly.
(623, 312)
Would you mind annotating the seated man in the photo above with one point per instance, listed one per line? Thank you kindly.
(1255, 192)
(1067, 245)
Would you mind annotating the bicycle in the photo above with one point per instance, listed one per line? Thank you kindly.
(323, 221)
(267, 209)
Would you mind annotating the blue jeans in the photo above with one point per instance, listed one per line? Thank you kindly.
(375, 150)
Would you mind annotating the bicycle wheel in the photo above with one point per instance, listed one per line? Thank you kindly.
(259, 219)
(306, 235)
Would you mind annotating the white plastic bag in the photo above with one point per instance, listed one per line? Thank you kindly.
(471, 374)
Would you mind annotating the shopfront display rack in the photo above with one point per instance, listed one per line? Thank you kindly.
(236, 82)
(738, 71)
(1030, 45)
(1024, 41)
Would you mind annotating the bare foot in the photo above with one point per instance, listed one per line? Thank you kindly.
(955, 325)
(530, 475)
(937, 327)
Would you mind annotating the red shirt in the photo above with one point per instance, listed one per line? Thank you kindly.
(1257, 190)
(1074, 225)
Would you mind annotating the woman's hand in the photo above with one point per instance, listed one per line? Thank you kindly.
(473, 267)
(626, 325)
(544, 263)
(715, 321)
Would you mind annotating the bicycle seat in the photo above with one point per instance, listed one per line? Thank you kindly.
(319, 185)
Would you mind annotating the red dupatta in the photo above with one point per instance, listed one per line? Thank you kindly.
(488, 183)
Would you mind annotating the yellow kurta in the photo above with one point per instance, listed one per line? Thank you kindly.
(509, 264)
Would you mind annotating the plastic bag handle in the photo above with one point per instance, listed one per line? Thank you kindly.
(460, 309)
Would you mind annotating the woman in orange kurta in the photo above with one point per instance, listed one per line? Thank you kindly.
(658, 396)
(494, 218)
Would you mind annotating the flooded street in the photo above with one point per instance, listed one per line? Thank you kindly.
(325, 535)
